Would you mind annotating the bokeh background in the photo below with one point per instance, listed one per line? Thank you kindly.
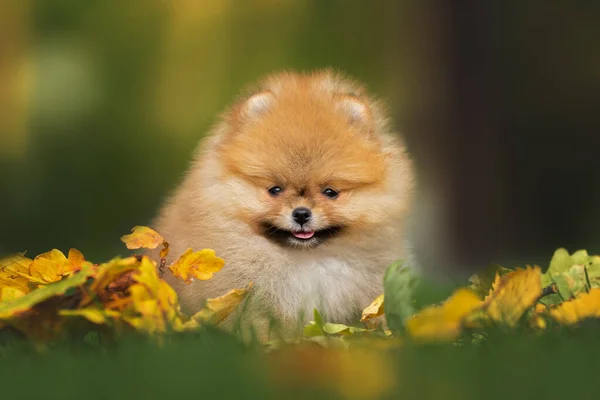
(103, 101)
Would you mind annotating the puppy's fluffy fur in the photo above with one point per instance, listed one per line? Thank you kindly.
(303, 134)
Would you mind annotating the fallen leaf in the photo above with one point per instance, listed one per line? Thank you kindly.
(22, 304)
(513, 294)
(570, 312)
(52, 266)
(444, 322)
(142, 237)
(12, 283)
(106, 274)
(200, 265)
(219, 308)
(153, 303)
(374, 310)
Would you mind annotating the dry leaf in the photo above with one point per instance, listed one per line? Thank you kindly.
(374, 310)
(444, 322)
(218, 308)
(12, 283)
(142, 237)
(200, 265)
(513, 294)
(586, 305)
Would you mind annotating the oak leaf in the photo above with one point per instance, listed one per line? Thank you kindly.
(142, 237)
(52, 266)
(22, 304)
(12, 283)
(200, 265)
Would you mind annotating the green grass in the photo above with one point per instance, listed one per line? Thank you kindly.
(212, 364)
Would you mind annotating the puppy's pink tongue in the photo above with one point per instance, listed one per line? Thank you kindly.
(303, 235)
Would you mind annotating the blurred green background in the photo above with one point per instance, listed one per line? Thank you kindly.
(102, 103)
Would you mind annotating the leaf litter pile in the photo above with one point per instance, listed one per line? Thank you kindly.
(55, 295)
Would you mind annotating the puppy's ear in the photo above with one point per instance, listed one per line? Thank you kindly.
(356, 111)
(256, 105)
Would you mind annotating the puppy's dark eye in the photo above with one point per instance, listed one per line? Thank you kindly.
(329, 192)
(275, 190)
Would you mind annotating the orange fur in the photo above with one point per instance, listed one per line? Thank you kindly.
(304, 133)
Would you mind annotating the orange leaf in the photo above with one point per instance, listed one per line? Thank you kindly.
(142, 237)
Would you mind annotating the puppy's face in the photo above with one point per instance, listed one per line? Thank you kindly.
(306, 172)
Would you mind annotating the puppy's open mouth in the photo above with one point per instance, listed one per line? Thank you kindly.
(295, 238)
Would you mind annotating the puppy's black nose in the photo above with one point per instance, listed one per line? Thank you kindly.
(301, 215)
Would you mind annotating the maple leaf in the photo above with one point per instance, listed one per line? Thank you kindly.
(444, 322)
(200, 265)
(570, 312)
(12, 284)
(513, 294)
(142, 237)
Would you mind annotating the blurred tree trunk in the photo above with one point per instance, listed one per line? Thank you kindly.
(504, 129)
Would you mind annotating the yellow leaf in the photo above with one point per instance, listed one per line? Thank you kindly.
(142, 237)
(23, 304)
(586, 305)
(154, 306)
(9, 293)
(48, 267)
(76, 260)
(11, 281)
(444, 322)
(200, 265)
(513, 294)
(219, 308)
(374, 310)
(107, 273)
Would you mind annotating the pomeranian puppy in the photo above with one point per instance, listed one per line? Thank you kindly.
(303, 189)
